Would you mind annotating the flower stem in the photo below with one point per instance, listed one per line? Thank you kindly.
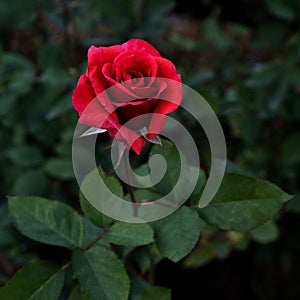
(151, 269)
(129, 187)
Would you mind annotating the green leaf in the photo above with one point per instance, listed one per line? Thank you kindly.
(194, 199)
(265, 233)
(290, 158)
(91, 232)
(32, 182)
(18, 74)
(137, 285)
(171, 155)
(155, 292)
(7, 232)
(50, 56)
(282, 9)
(7, 102)
(46, 221)
(215, 34)
(25, 156)
(177, 234)
(37, 280)
(243, 203)
(144, 257)
(174, 166)
(143, 195)
(182, 42)
(60, 108)
(129, 234)
(294, 204)
(101, 273)
(60, 168)
(93, 214)
(15, 15)
(78, 293)
(204, 254)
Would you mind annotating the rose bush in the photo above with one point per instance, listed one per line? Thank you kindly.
(137, 71)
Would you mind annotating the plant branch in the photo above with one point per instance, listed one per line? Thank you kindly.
(129, 188)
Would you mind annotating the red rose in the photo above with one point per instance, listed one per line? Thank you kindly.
(140, 69)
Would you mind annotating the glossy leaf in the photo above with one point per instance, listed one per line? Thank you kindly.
(101, 273)
(94, 215)
(47, 221)
(26, 156)
(294, 204)
(202, 255)
(169, 152)
(78, 293)
(265, 233)
(37, 280)
(243, 203)
(32, 182)
(129, 234)
(60, 168)
(177, 234)
(155, 292)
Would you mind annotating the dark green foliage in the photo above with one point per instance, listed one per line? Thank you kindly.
(246, 66)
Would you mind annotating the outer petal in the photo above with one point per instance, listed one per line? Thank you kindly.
(124, 134)
(98, 56)
(138, 144)
(173, 92)
(156, 125)
(83, 94)
(170, 97)
(166, 69)
(98, 81)
(96, 116)
(140, 45)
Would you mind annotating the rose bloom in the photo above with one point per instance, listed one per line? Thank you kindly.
(123, 82)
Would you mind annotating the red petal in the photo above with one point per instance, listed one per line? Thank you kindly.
(173, 92)
(129, 112)
(98, 81)
(123, 93)
(128, 136)
(138, 145)
(83, 94)
(99, 85)
(107, 73)
(136, 61)
(140, 45)
(171, 98)
(166, 69)
(156, 125)
(131, 138)
(98, 56)
(95, 115)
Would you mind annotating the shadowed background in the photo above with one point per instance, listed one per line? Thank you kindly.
(242, 56)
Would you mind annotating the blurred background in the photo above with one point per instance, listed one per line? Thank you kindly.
(243, 56)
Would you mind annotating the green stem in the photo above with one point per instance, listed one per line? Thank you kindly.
(68, 264)
(151, 268)
(129, 188)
